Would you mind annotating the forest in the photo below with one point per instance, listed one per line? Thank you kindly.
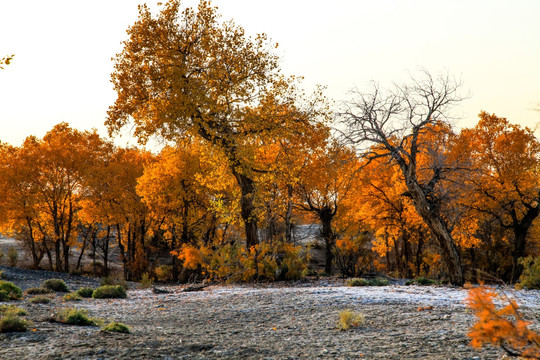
(248, 156)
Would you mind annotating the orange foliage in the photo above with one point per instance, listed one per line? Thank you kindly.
(501, 326)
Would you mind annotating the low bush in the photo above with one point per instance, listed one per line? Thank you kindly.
(72, 297)
(164, 273)
(2, 276)
(110, 292)
(421, 281)
(349, 318)
(12, 256)
(57, 285)
(85, 292)
(114, 280)
(13, 310)
(530, 278)
(40, 300)
(116, 327)
(73, 316)
(38, 291)
(357, 282)
(12, 323)
(146, 281)
(8, 291)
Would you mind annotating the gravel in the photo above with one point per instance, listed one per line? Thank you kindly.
(276, 321)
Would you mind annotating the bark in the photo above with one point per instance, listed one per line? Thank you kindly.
(247, 208)
(521, 229)
(326, 215)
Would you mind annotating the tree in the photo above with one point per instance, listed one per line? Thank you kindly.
(505, 179)
(395, 121)
(184, 73)
(5, 61)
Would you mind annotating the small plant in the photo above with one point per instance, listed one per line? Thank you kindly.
(10, 309)
(164, 273)
(146, 281)
(12, 323)
(38, 291)
(2, 276)
(72, 297)
(110, 292)
(357, 282)
(73, 316)
(85, 292)
(349, 318)
(112, 280)
(530, 278)
(12, 256)
(57, 285)
(40, 300)
(421, 281)
(8, 291)
(378, 282)
(116, 327)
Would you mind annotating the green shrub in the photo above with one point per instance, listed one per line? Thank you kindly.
(73, 316)
(421, 281)
(116, 327)
(57, 285)
(85, 292)
(349, 318)
(113, 280)
(530, 278)
(9, 290)
(10, 309)
(38, 291)
(146, 281)
(109, 292)
(357, 282)
(12, 323)
(72, 297)
(378, 282)
(13, 256)
(164, 273)
(40, 300)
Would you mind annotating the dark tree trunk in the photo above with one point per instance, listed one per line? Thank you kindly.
(521, 229)
(247, 208)
(326, 215)
(288, 215)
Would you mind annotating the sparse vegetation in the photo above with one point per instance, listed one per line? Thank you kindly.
(371, 282)
(85, 292)
(146, 281)
(349, 318)
(38, 291)
(73, 316)
(357, 282)
(116, 327)
(12, 323)
(530, 278)
(421, 281)
(109, 291)
(113, 280)
(12, 256)
(72, 297)
(8, 291)
(13, 310)
(40, 299)
(57, 285)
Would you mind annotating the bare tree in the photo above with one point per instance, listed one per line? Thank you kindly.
(392, 124)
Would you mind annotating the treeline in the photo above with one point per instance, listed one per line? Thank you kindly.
(392, 185)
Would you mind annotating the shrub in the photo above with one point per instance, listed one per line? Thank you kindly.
(12, 323)
(109, 292)
(116, 327)
(57, 285)
(2, 276)
(9, 291)
(146, 281)
(72, 297)
(349, 318)
(10, 309)
(38, 291)
(421, 281)
(74, 316)
(530, 278)
(40, 300)
(357, 282)
(163, 273)
(501, 325)
(113, 280)
(353, 256)
(85, 292)
(378, 282)
(13, 256)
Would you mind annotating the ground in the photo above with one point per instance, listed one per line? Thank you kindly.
(277, 321)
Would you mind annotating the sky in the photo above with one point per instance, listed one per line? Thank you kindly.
(63, 50)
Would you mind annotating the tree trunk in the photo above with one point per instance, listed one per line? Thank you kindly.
(326, 216)
(247, 186)
(521, 229)
(288, 215)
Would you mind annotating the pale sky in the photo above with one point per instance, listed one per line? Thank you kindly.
(63, 49)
